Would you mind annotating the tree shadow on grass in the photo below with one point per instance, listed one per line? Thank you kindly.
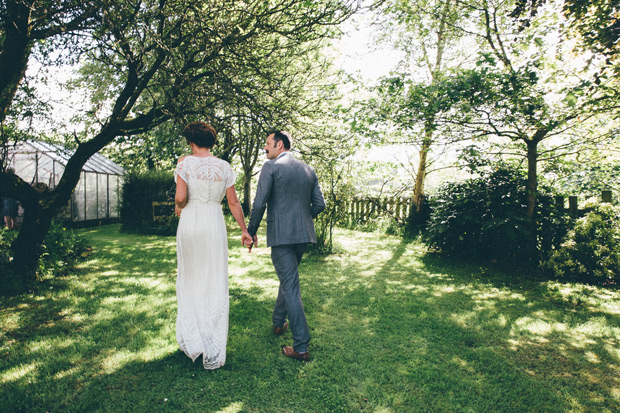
(391, 329)
(461, 338)
(104, 340)
(561, 334)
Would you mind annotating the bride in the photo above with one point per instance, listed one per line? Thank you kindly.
(202, 180)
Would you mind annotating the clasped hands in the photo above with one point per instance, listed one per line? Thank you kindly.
(248, 241)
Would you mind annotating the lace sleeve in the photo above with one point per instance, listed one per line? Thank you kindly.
(230, 176)
(180, 171)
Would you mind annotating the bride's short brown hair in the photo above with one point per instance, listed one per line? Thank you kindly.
(200, 133)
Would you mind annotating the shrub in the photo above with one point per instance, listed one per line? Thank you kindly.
(140, 190)
(486, 218)
(6, 239)
(417, 221)
(165, 225)
(61, 250)
(324, 226)
(590, 251)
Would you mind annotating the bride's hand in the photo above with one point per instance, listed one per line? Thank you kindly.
(246, 240)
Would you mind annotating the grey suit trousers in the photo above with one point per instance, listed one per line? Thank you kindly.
(286, 259)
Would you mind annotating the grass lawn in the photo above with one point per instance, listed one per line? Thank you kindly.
(392, 330)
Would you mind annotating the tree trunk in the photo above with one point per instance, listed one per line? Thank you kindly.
(532, 171)
(420, 178)
(27, 245)
(532, 189)
(532, 178)
(247, 192)
(14, 52)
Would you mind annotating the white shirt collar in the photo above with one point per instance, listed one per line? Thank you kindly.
(283, 153)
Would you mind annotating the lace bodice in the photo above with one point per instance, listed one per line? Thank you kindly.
(207, 178)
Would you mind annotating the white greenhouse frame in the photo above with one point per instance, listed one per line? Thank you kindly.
(96, 197)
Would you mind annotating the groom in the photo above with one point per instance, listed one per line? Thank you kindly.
(289, 189)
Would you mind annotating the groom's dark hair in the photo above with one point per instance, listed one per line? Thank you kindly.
(279, 135)
(200, 133)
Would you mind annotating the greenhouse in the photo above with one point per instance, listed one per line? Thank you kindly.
(97, 195)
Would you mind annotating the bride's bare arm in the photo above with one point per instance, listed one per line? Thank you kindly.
(237, 212)
(180, 198)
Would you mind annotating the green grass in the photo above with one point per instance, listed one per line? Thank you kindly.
(392, 330)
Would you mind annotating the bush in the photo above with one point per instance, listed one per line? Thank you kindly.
(417, 221)
(61, 250)
(486, 218)
(6, 239)
(324, 226)
(140, 190)
(591, 249)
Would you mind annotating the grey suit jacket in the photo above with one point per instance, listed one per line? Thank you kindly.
(290, 191)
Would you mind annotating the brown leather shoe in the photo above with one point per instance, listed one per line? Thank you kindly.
(290, 352)
(278, 331)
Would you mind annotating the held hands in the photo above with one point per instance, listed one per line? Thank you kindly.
(247, 241)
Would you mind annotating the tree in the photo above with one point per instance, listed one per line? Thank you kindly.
(522, 92)
(151, 61)
(597, 22)
(415, 101)
(23, 23)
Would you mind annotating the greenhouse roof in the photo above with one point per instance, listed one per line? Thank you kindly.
(96, 163)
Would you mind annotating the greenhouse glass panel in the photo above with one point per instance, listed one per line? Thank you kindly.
(91, 195)
(115, 187)
(79, 203)
(102, 197)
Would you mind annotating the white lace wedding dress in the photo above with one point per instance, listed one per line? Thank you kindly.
(202, 261)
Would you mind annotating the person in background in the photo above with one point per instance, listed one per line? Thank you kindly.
(10, 207)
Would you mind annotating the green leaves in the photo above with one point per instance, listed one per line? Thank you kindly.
(486, 218)
(591, 250)
(570, 100)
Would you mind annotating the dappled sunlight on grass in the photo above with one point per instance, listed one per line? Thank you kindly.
(393, 329)
(506, 317)
(232, 408)
(17, 372)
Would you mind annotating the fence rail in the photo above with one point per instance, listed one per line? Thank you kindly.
(365, 209)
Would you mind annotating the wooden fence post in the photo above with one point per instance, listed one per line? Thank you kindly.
(559, 203)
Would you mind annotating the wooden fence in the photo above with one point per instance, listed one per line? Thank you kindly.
(573, 204)
(365, 209)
